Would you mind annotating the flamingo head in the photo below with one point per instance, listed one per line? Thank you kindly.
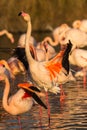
(2, 71)
(5, 69)
(25, 16)
(2, 68)
(76, 24)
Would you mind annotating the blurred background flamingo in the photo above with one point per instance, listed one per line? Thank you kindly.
(8, 34)
(80, 24)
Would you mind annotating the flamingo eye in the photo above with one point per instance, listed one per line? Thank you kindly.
(3, 65)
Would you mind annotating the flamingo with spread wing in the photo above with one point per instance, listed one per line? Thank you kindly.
(47, 74)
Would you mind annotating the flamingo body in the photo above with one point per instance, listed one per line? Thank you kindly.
(19, 104)
(78, 57)
(77, 37)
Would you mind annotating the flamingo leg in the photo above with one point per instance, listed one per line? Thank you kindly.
(40, 113)
(62, 94)
(19, 122)
(48, 105)
(84, 78)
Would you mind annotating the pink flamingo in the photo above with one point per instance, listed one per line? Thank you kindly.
(23, 100)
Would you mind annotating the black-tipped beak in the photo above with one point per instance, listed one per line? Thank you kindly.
(19, 13)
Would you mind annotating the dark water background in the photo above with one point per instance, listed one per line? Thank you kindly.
(71, 114)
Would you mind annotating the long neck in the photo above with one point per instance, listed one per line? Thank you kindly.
(27, 48)
(53, 43)
(5, 95)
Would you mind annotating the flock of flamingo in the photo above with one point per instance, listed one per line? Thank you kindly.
(46, 69)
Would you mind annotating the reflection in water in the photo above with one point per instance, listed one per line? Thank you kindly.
(71, 114)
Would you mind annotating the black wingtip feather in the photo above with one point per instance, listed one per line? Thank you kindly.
(65, 61)
(36, 98)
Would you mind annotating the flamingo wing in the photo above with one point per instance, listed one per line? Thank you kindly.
(65, 60)
(60, 61)
(32, 90)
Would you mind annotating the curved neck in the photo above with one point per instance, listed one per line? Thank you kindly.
(53, 43)
(5, 94)
(27, 48)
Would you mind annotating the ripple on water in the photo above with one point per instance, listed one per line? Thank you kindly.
(71, 114)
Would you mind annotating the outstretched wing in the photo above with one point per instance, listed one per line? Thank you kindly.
(59, 62)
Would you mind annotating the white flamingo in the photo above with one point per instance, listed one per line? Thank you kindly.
(52, 70)
(77, 37)
(78, 57)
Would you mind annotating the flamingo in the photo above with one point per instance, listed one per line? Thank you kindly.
(20, 54)
(77, 37)
(64, 33)
(52, 70)
(8, 34)
(80, 24)
(23, 100)
(20, 102)
(78, 57)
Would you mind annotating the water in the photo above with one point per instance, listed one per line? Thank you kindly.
(71, 114)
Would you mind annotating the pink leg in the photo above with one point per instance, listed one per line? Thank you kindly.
(84, 78)
(19, 122)
(48, 105)
(40, 113)
(62, 96)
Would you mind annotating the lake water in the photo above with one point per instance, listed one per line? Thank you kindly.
(71, 114)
